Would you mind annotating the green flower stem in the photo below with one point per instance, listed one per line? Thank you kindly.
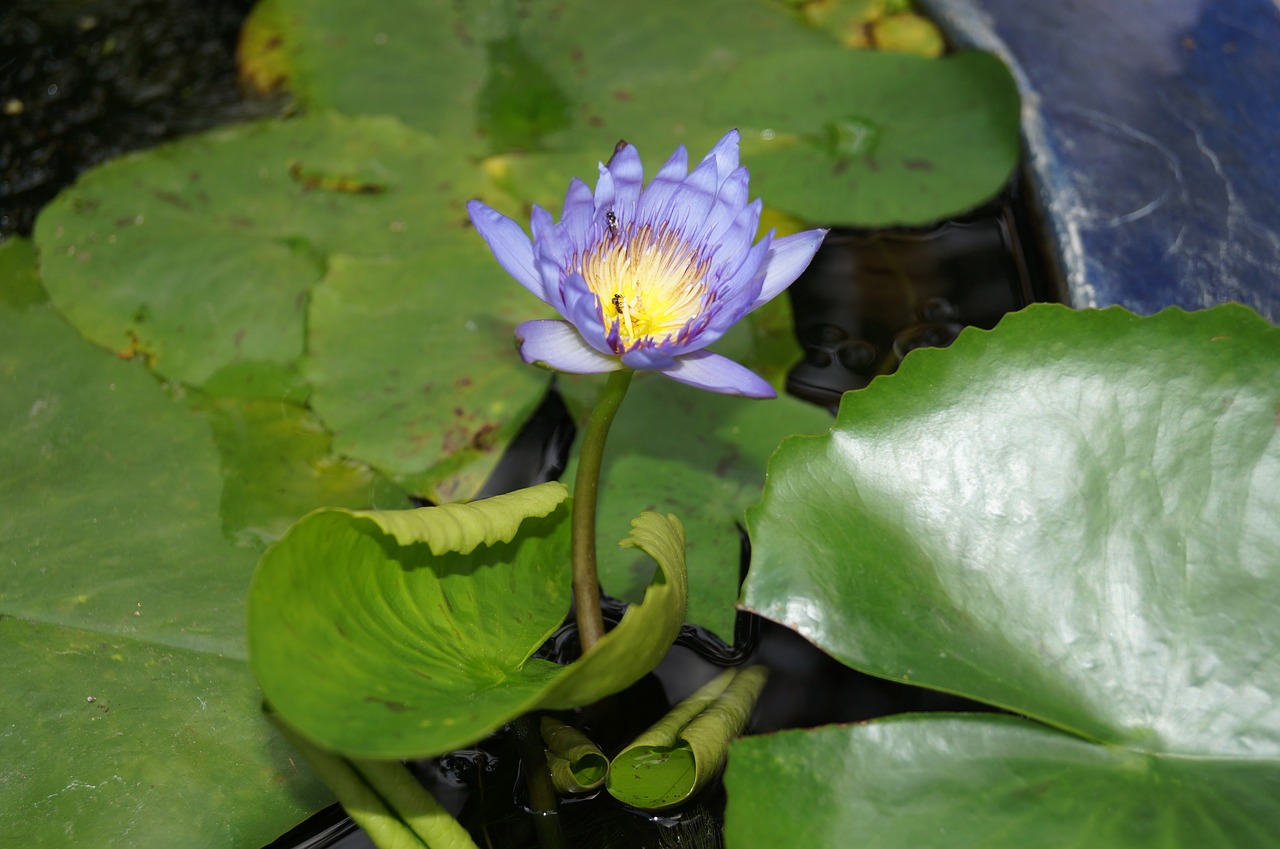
(384, 799)
(586, 583)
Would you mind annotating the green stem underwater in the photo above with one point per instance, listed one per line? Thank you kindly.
(586, 584)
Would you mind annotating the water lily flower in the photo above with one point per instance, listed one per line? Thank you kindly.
(647, 277)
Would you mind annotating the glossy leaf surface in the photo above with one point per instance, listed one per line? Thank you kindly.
(407, 634)
(975, 781)
(1071, 517)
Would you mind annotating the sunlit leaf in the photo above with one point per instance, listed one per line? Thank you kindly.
(1071, 517)
(407, 634)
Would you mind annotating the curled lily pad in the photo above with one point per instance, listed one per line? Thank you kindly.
(411, 633)
(681, 753)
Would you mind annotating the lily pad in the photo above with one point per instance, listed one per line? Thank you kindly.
(198, 256)
(414, 365)
(278, 465)
(966, 781)
(876, 138)
(411, 633)
(679, 755)
(131, 712)
(832, 135)
(1071, 517)
(408, 58)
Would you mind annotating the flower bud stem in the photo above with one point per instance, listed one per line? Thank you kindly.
(586, 583)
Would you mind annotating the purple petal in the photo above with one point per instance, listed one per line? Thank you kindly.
(676, 168)
(552, 272)
(604, 192)
(582, 308)
(654, 359)
(664, 184)
(787, 258)
(731, 199)
(579, 209)
(735, 244)
(540, 222)
(628, 173)
(696, 195)
(550, 244)
(715, 373)
(510, 245)
(738, 295)
(725, 154)
(557, 344)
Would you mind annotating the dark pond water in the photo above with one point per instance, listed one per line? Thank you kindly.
(81, 82)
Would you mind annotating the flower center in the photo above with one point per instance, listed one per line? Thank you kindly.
(649, 283)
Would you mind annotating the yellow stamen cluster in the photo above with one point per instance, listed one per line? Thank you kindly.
(649, 282)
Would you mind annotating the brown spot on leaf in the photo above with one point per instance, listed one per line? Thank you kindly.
(485, 437)
(172, 199)
(389, 704)
(312, 180)
(917, 164)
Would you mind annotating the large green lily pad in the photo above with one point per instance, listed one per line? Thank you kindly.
(971, 781)
(114, 741)
(199, 255)
(1073, 517)
(130, 714)
(406, 634)
(839, 136)
(414, 365)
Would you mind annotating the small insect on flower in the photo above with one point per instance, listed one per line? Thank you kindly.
(647, 277)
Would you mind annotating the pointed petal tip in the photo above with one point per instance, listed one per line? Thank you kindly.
(557, 345)
(787, 259)
(510, 245)
(716, 373)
